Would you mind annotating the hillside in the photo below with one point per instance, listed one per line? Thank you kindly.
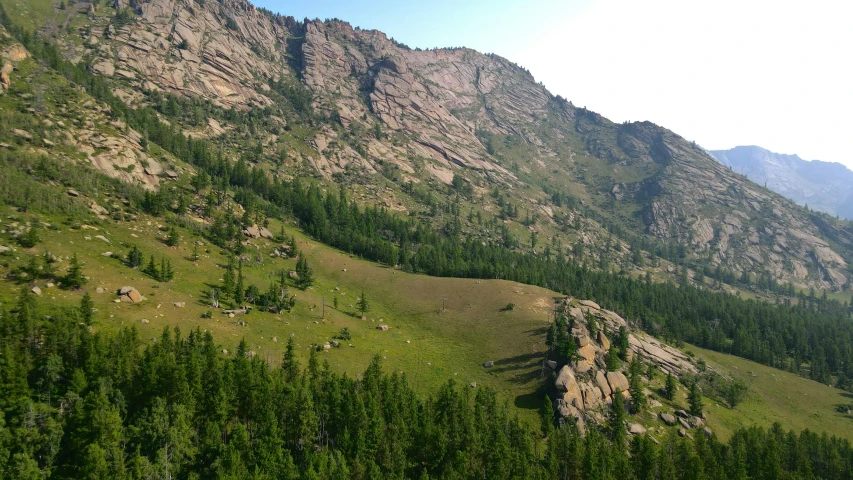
(397, 126)
(236, 245)
(822, 186)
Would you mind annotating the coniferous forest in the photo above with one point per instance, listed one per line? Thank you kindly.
(83, 405)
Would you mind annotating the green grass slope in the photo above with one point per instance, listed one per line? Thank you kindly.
(431, 346)
(776, 396)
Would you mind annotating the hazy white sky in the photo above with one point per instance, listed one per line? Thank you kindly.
(723, 73)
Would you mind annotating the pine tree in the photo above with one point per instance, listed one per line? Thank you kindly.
(87, 309)
(30, 239)
(304, 273)
(134, 257)
(592, 325)
(228, 280)
(289, 364)
(616, 421)
(612, 360)
(166, 273)
(174, 237)
(622, 343)
(638, 398)
(694, 398)
(151, 269)
(546, 417)
(240, 289)
(74, 278)
(363, 304)
(195, 256)
(671, 387)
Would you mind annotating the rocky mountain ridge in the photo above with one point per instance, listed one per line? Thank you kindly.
(387, 113)
(823, 186)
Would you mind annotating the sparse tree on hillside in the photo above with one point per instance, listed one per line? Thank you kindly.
(694, 398)
(74, 279)
(134, 257)
(304, 272)
(363, 304)
(671, 387)
(173, 238)
(30, 239)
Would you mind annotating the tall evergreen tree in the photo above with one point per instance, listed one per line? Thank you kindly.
(694, 399)
(87, 309)
(74, 277)
(670, 387)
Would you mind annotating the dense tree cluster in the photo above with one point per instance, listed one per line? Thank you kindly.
(78, 404)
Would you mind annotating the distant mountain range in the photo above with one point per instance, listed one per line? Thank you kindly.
(823, 186)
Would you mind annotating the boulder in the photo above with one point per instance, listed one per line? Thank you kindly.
(179, 304)
(636, 429)
(94, 207)
(489, 364)
(567, 383)
(265, 233)
(582, 366)
(382, 327)
(4, 249)
(105, 68)
(682, 414)
(129, 294)
(73, 193)
(617, 381)
(565, 379)
(22, 133)
(566, 410)
(696, 422)
(589, 303)
(36, 290)
(668, 418)
(603, 341)
(551, 364)
(591, 395)
(587, 353)
(583, 341)
(252, 232)
(708, 431)
(684, 423)
(135, 296)
(601, 380)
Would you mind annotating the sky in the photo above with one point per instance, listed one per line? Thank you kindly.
(723, 73)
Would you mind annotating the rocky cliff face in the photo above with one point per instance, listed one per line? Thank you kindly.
(432, 115)
(585, 387)
(823, 186)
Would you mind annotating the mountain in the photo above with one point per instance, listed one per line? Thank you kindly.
(823, 186)
(200, 198)
(406, 128)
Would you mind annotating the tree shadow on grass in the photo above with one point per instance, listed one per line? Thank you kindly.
(532, 400)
